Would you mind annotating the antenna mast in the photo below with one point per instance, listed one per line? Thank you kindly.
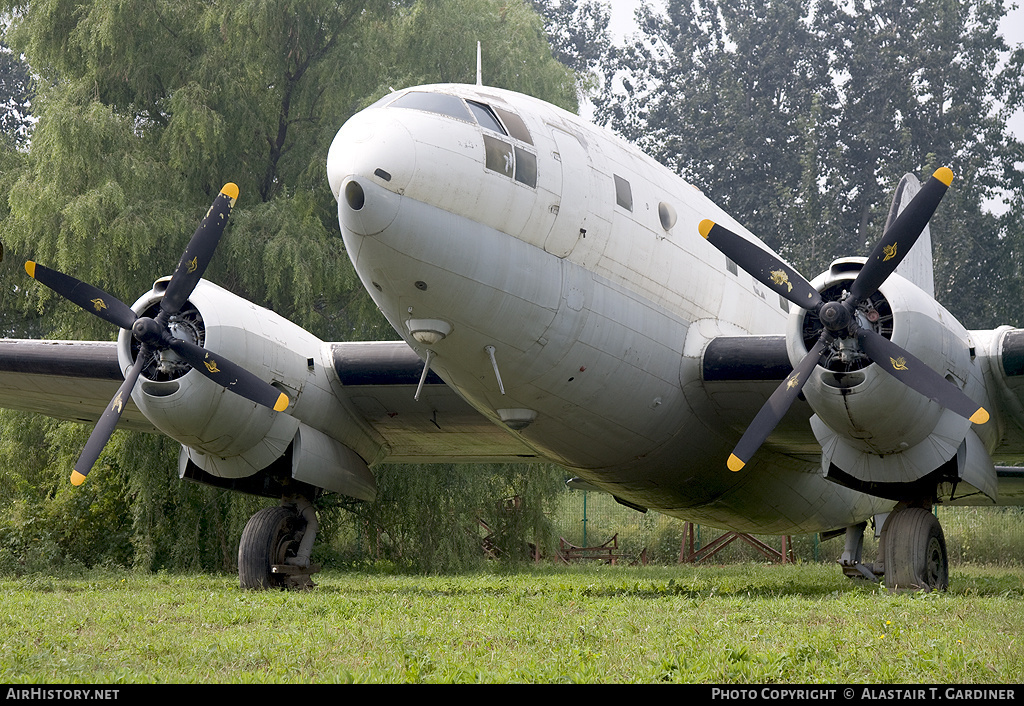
(479, 70)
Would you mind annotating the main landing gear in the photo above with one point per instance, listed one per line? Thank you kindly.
(911, 551)
(276, 544)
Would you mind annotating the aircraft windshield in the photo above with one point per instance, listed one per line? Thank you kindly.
(485, 117)
(489, 117)
(440, 103)
(501, 155)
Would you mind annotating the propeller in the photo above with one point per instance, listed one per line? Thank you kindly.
(154, 333)
(839, 318)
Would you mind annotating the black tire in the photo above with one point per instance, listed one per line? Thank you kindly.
(270, 537)
(915, 552)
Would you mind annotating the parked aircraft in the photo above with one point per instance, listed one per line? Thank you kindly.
(561, 297)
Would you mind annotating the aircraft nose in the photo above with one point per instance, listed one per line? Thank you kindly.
(369, 165)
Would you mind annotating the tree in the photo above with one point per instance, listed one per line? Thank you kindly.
(146, 108)
(15, 98)
(800, 117)
(925, 88)
(437, 517)
(578, 31)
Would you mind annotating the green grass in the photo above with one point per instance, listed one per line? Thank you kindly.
(740, 624)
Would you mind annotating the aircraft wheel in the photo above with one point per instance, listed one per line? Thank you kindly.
(915, 551)
(270, 537)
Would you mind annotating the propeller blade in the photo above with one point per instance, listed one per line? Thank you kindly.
(230, 376)
(916, 375)
(154, 334)
(762, 265)
(200, 249)
(776, 407)
(90, 298)
(900, 237)
(104, 428)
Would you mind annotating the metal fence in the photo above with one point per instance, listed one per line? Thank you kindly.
(987, 535)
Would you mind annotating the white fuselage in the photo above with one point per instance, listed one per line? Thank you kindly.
(574, 294)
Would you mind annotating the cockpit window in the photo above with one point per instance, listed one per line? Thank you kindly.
(515, 125)
(511, 160)
(440, 103)
(490, 117)
(501, 156)
(485, 117)
(498, 156)
(526, 167)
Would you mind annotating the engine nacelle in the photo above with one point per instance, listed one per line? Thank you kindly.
(224, 434)
(877, 434)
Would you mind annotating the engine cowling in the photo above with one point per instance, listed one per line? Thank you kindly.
(877, 434)
(222, 433)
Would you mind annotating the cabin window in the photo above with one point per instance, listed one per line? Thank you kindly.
(667, 214)
(526, 167)
(623, 193)
(731, 266)
(440, 103)
(515, 125)
(485, 117)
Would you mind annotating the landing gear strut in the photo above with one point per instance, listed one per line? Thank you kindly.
(850, 560)
(275, 547)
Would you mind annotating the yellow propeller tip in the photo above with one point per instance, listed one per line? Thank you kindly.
(735, 464)
(230, 190)
(30, 267)
(980, 417)
(282, 403)
(944, 174)
(705, 227)
(77, 478)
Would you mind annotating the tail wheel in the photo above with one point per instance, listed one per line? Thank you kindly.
(270, 537)
(915, 551)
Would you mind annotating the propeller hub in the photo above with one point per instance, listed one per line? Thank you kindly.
(836, 317)
(150, 332)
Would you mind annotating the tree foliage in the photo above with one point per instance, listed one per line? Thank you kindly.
(444, 517)
(15, 99)
(578, 31)
(145, 109)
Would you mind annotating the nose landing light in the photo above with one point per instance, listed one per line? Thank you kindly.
(428, 331)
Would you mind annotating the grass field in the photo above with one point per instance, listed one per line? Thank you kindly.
(736, 624)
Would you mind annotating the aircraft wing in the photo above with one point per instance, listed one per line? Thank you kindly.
(739, 373)
(376, 383)
(70, 380)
